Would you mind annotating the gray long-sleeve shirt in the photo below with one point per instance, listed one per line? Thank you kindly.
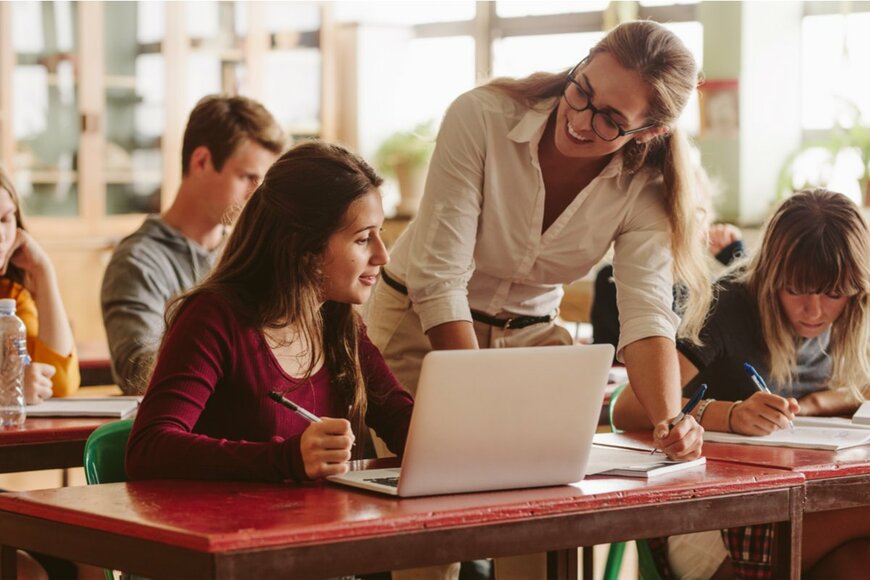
(148, 268)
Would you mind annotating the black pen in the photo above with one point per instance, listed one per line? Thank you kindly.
(691, 404)
(301, 411)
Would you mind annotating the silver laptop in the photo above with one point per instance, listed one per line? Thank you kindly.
(498, 419)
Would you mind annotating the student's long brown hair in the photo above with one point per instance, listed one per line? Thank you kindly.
(817, 242)
(270, 268)
(667, 67)
(13, 272)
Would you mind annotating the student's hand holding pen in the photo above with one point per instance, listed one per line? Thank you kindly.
(762, 414)
(766, 414)
(326, 447)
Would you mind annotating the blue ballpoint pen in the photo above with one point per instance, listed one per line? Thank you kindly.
(760, 384)
(691, 404)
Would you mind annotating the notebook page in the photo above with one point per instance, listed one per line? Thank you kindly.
(806, 437)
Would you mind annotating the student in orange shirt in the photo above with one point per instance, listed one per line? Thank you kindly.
(27, 275)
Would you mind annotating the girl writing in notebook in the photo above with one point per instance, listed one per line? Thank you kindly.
(277, 314)
(799, 313)
(28, 276)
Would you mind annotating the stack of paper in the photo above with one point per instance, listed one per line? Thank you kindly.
(631, 463)
(862, 415)
(115, 407)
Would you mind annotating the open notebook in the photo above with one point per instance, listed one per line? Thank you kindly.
(114, 407)
(832, 437)
(498, 419)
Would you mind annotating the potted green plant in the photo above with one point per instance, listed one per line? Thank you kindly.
(405, 156)
(813, 163)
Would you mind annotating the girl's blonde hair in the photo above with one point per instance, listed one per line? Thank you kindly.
(817, 242)
(270, 268)
(667, 67)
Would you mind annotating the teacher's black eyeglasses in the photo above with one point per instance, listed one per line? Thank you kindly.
(602, 124)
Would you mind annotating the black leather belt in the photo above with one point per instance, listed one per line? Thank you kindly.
(513, 322)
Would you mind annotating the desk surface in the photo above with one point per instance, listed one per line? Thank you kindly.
(211, 529)
(835, 479)
(46, 443)
(813, 463)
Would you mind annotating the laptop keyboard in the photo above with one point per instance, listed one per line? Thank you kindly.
(390, 481)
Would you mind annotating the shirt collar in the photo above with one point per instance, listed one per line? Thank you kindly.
(530, 128)
(531, 125)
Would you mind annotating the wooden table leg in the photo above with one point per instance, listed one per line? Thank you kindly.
(8, 563)
(562, 564)
(788, 537)
(588, 562)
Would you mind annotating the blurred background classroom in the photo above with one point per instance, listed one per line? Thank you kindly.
(94, 96)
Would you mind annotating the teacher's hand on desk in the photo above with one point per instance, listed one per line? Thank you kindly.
(683, 441)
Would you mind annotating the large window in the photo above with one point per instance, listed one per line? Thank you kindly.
(835, 97)
(415, 58)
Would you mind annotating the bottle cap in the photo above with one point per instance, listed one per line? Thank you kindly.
(7, 306)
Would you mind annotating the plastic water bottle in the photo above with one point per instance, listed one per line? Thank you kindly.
(13, 358)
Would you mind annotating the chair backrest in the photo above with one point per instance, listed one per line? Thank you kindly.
(104, 452)
(613, 396)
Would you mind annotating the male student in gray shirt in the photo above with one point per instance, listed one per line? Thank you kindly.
(229, 143)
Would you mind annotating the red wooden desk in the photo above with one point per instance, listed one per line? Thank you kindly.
(835, 479)
(46, 443)
(229, 530)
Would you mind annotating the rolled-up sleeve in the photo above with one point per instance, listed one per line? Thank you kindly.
(443, 246)
(643, 271)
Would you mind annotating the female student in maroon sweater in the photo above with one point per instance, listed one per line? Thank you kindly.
(277, 314)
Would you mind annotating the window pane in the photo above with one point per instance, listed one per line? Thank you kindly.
(515, 8)
(298, 16)
(45, 101)
(202, 19)
(666, 2)
(135, 103)
(835, 57)
(519, 56)
(407, 13)
(692, 35)
(292, 91)
(151, 22)
(203, 77)
(403, 83)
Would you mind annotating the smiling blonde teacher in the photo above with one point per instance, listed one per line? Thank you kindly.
(531, 182)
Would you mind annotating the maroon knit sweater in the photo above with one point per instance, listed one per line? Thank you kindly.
(207, 414)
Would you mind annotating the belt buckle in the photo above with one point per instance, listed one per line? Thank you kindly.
(508, 323)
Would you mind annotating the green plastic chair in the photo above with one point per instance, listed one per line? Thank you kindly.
(104, 452)
(104, 458)
(645, 562)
